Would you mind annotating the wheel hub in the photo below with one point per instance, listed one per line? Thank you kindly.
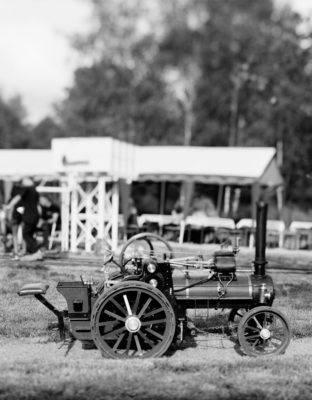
(265, 334)
(133, 324)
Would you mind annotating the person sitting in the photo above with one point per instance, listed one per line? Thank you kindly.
(49, 215)
(132, 220)
(172, 230)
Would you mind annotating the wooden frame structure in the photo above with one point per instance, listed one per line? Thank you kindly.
(94, 212)
(91, 169)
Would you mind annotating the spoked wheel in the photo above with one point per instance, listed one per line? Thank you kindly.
(235, 316)
(144, 245)
(263, 331)
(133, 319)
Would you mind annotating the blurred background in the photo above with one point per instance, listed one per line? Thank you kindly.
(201, 72)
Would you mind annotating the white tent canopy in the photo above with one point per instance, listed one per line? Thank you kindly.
(218, 165)
(94, 155)
(215, 165)
(14, 164)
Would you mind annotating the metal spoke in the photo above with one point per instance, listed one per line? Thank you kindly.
(252, 337)
(109, 323)
(136, 304)
(117, 305)
(127, 304)
(114, 332)
(137, 342)
(129, 341)
(253, 328)
(274, 336)
(158, 335)
(257, 322)
(154, 312)
(146, 339)
(274, 344)
(255, 343)
(154, 322)
(144, 307)
(265, 319)
(118, 341)
(116, 316)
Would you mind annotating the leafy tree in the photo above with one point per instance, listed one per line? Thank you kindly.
(106, 100)
(13, 131)
(41, 134)
(256, 87)
(207, 72)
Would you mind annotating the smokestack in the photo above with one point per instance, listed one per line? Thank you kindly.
(260, 260)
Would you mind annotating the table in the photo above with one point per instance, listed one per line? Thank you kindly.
(275, 230)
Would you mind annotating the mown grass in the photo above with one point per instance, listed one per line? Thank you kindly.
(31, 366)
(79, 377)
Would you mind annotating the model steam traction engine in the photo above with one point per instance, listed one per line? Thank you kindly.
(141, 309)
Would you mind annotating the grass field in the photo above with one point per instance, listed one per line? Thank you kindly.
(32, 366)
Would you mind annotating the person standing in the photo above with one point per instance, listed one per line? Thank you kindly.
(28, 196)
(16, 220)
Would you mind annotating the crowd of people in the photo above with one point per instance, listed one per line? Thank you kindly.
(30, 213)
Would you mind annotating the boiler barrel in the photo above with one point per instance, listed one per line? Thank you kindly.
(240, 289)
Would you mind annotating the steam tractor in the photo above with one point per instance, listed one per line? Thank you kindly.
(141, 308)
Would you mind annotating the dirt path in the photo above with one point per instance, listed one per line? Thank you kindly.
(216, 347)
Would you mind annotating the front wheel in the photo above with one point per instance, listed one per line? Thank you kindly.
(263, 331)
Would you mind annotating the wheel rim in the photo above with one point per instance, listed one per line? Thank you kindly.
(264, 332)
(133, 321)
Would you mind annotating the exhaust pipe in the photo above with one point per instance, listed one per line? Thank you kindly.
(260, 260)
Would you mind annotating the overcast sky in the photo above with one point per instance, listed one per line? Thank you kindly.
(36, 59)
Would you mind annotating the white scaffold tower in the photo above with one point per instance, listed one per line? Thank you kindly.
(91, 170)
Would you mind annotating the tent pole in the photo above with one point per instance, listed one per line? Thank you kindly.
(162, 197)
(89, 215)
(8, 185)
(279, 197)
(101, 207)
(125, 190)
(74, 215)
(115, 211)
(182, 230)
(65, 196)
(227, 200)
(255, 195)
(219, 201)
(187, 190)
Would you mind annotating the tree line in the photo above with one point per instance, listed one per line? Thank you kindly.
(206, 72)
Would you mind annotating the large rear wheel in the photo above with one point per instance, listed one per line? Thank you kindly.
(133, 319)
